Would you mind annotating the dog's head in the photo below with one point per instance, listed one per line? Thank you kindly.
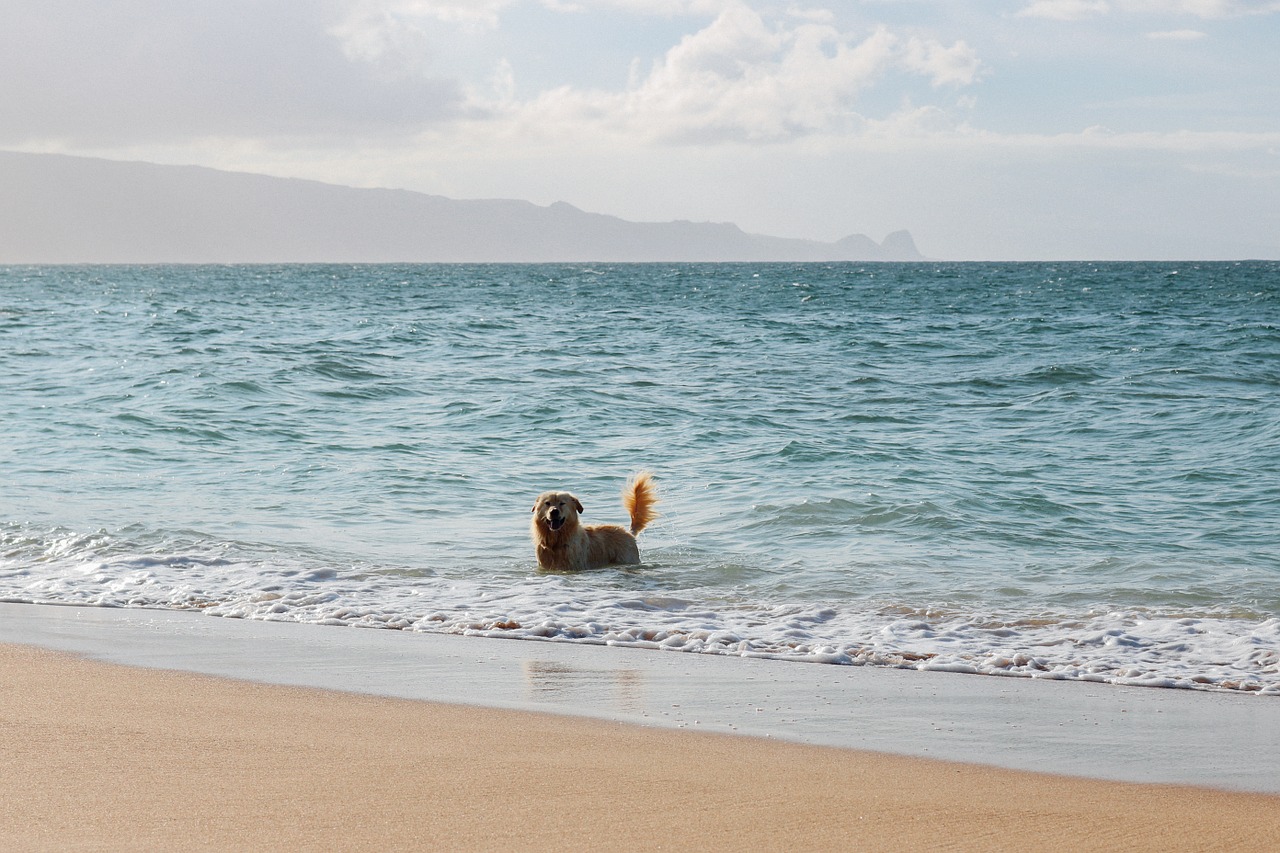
(556, 511)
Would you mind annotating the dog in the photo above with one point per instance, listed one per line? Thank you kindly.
(564, 544)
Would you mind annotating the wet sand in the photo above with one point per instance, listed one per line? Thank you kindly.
(103, 756)
(1207, 739)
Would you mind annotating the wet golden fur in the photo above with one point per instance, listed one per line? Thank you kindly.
(564, 544)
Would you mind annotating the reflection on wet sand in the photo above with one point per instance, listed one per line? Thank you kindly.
(552, 681)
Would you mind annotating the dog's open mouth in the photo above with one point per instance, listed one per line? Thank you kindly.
(555, 522)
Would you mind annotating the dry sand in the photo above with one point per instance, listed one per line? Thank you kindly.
(100, 756)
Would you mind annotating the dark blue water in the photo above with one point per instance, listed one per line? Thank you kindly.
(1062, 470)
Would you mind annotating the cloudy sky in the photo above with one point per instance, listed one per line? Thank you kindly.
(1005, 129)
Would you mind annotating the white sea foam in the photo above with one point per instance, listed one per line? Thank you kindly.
(1129, 647)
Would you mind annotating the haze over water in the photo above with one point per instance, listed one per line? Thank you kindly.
(1051, 470)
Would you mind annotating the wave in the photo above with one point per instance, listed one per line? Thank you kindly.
(1209, 649)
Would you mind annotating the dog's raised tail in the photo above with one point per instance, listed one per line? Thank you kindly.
(639, 499)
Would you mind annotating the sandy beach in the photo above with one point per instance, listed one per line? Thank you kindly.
(102, 756)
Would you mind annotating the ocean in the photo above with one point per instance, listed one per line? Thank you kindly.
(1047, 470)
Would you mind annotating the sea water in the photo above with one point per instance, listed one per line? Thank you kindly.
(1050, 470)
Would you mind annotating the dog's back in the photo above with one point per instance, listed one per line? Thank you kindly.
(607, 545)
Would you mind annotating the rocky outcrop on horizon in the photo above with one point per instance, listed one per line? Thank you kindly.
(62, 209)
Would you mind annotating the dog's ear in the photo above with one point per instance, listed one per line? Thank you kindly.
(578, 504)
(535, 508)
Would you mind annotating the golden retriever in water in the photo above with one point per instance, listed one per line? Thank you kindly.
(563, 544)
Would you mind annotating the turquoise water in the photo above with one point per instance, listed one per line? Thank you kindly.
(1054, 470)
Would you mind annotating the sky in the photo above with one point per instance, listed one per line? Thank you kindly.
(991, 129)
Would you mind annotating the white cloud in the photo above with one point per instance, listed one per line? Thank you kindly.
(1204, 9)
(956, 65)
(660, 8)
(87, 74)
(1078, 10)
(822, 16)
(1230, 170)
(395, 34)
(746, 78)
(1065, 10)
(1103, 138)
(1177, 35)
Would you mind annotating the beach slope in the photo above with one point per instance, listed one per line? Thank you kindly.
(101, 756)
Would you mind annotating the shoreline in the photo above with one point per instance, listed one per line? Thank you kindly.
(111, 757)
(1143, 735)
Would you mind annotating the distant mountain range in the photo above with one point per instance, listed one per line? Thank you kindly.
(60, 209)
